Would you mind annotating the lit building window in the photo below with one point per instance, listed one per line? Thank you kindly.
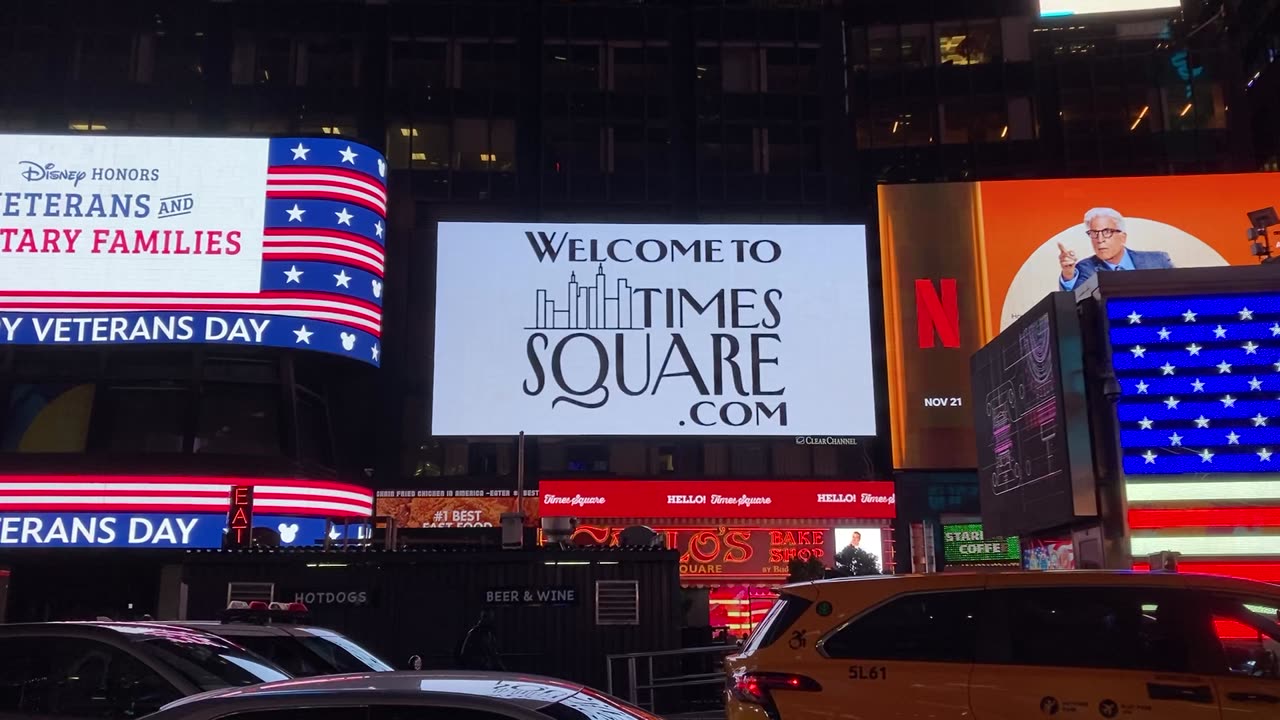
(973, 43)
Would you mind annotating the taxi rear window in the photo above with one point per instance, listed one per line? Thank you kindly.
(783, 615)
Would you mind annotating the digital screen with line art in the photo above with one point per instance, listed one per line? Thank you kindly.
(1023, 409)
(1023, 467)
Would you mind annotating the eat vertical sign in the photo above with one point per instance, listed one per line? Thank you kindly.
(240, 517)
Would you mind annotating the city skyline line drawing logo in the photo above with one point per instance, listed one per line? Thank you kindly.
(587, 307)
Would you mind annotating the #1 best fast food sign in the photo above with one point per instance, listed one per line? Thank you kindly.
(241, 241)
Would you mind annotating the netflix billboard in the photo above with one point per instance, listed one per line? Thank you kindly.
(719, 499)
(963, 261)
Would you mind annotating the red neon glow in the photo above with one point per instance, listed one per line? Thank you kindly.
(240, 520)
(1149, 519)
(180, 494)
(1260, 571)
(734, 554)
(740, 609)
(1233, 630)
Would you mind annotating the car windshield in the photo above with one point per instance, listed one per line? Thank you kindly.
(208, 662)
(343, 654)
(317, 652)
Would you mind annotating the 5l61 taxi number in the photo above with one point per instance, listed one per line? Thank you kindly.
(868, 672)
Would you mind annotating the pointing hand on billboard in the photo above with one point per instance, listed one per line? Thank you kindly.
(1067, 259)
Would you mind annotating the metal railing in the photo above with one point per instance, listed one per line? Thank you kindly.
(670, 681)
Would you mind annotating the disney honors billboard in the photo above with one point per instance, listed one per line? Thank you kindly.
(592, 329)
(128, 240)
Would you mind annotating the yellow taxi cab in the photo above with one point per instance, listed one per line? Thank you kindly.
(1013, 646)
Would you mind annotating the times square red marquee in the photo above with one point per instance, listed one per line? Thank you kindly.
(719, 499)
(727, 531)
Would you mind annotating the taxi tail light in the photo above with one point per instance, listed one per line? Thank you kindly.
(757, 688)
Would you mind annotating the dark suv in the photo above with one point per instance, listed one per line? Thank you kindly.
(116, 670)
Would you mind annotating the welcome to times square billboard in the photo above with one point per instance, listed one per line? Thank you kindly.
(603, 329)
(235, 241)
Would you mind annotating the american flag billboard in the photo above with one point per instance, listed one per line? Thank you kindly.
(1199, 419)
(252, 242)
(1200, 383)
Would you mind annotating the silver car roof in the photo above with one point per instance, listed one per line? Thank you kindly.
(529, 691)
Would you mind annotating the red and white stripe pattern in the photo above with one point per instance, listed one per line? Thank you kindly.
(1213, 519)
(318, 182)
(180, 494)
(334, 246)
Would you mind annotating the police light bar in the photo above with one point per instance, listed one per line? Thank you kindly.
(262, 612)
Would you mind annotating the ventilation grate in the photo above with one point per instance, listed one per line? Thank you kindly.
(617, 602)
(250, 591)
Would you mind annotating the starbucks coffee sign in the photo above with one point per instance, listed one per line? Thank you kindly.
(965, 543)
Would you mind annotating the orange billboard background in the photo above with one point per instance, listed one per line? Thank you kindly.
(993, 247)
(1019, 216)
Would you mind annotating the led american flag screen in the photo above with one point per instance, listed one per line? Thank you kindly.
(236, 241)
(1200, 383)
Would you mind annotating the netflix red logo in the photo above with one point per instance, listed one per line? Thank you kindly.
(937, 313)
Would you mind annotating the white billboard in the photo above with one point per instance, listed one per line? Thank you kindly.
(596, 329)
(1068, 8)
(132, 213)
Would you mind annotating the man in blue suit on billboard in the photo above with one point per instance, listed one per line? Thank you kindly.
(1105, 228)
